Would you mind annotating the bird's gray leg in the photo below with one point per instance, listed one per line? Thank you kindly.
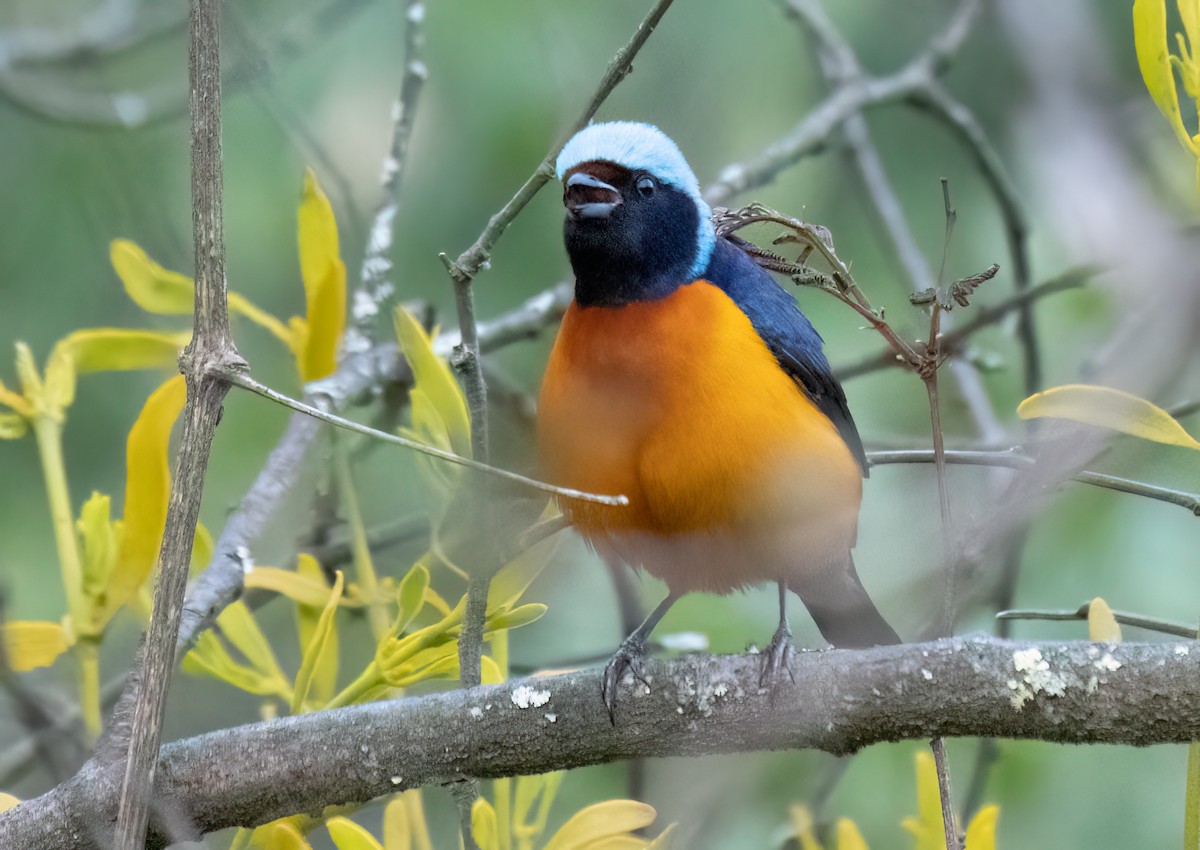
(629, 656)
(779, 650)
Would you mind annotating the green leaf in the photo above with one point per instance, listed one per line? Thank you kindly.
(347, 835)
(308, 625)
(443, 398)
(147, 491)
(1108, 408)
(324, 277)
(410, 597)
(522, 615)
(1153, 55)
(29, 644)
(209, 657)
(324, 640)
(513, 579)
(241, 629)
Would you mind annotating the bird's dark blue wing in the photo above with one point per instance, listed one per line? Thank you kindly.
(787, 332)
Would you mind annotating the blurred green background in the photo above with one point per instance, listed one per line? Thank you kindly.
(311, 84)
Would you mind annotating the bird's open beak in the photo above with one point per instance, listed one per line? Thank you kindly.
(586, 196)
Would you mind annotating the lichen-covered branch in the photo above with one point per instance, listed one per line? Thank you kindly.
(838, 701)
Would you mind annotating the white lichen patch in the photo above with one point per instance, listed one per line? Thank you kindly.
(1034, 677)
(396, 780)
(527, 697)
(928, 676)
(720, 690)
(1181, 649)
(551, 716)
(1108, 663)
(477, 712)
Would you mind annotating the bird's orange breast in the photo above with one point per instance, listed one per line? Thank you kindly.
(733, 476)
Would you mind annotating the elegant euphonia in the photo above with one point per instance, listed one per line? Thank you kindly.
(686, 379)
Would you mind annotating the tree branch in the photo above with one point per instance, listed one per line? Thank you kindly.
(205, 362)
(838, 701)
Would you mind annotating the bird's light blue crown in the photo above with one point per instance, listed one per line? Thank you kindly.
(643, 147)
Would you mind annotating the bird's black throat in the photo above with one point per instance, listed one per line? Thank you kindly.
(642, 252)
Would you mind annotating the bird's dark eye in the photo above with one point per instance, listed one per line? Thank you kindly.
(646, 186)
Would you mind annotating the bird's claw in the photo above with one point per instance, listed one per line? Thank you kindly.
(777, 656)
(627, 657)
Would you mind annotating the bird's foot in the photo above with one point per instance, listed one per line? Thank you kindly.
(629, 656)
(777, 656)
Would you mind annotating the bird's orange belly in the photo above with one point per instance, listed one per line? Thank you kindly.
(733, 476)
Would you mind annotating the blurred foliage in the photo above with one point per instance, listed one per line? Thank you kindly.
(311, 83)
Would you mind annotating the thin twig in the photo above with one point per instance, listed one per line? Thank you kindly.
(466, 356)
(206, 363)
(938, 745)
(1013, 459)
(1141, 621)
(248, 383)
(374, 290)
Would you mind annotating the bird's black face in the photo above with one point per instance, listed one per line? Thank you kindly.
(630, 236)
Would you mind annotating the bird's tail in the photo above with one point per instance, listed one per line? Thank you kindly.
(843, 611)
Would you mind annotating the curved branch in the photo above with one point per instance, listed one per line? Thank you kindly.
(838, 701)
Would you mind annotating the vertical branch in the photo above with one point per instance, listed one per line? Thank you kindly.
(374, 289)
(938, 745)
(210, 353)
(463, 271)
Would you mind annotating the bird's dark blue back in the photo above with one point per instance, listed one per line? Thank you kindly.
(787, 332)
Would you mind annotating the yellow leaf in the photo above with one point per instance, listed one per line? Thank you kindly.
(100, 543)
(12, 426)
(1102, 625)
(159, 290)
(324, 277)
(280, 835)
(347, 835)
(324, 640)
(848, 836)
(397, 831)
(1150, 41)
(153, 288)
(209, 657)
(599, 821)
(16, 402)
(410, 597)
(120, 349)
(927, 826)
(483, 825)
(27, 375)
(802, 826)
(981, 834)
(60, 380)
(665, 840)
(302, 589)
(1108, 408)
(308, 622)
(512, 580)
(239, 627)
(202, 547)
(433, 378)
(29, 644)
(147, 490)
(7, 801)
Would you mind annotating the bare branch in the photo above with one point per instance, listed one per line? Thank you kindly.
(838, 701)
(209, 357)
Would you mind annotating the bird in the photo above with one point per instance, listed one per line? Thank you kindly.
(686, 379)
